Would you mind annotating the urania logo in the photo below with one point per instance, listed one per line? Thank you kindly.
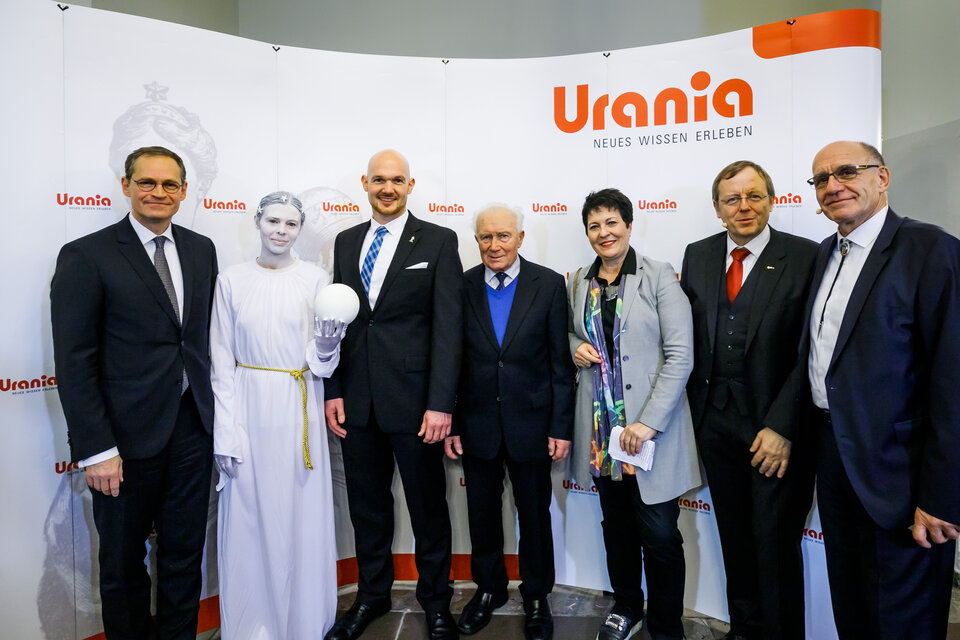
(813, 534)
(21, 386)
(573, 486)
(336, 207)
(97, 201)
(665, 204)
(446, 208)
(220, 205)
(788, 199)
(630, 109)
(540, 207)
(694, 505)
(65, 465)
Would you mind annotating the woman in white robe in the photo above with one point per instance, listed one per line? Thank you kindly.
(276, 548)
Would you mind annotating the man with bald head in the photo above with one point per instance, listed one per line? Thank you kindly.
(514, 408)
(882, 352)
(392, 395)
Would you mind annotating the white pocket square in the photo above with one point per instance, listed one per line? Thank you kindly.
(419, 265)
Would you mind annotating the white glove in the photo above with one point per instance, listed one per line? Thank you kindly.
(227, 464)
(327, 335)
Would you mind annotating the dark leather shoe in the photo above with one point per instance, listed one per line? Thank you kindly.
(476, 614)
(355, 620)
(539, 621)
(618, 627)
(440, 626)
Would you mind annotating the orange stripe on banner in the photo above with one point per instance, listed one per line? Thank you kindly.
(829, 30)
(405, 568)
(209, 617)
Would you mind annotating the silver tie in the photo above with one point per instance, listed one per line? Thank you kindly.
(163, 270)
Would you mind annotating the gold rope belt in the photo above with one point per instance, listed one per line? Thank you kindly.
(298, 374)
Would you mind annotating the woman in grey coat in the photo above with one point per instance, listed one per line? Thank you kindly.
(631, 335)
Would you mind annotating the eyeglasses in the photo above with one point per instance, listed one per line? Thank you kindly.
(147, 185)
(843, 173)
(753, 198)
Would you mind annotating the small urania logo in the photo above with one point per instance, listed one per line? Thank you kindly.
(224, 205)
(542, 207)
(43, 382)
(65, 199)
(337, 207)
(694, 505)
(445, 208)
(630, 109)
(813, 534)
(666, 204)
(788, 199)
(569, 485)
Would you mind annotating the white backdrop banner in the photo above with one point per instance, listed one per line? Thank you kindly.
(81, 88)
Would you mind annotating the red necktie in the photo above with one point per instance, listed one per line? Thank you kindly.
(735, 272)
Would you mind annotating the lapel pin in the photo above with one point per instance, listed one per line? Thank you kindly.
(771, 267)
(412, 239)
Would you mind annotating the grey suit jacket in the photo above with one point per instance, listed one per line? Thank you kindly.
(656, 353)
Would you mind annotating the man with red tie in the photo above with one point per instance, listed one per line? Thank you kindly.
(747, 286)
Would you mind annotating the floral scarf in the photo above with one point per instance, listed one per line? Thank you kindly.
(608, 410)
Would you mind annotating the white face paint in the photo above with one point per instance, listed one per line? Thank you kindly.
(279, 227)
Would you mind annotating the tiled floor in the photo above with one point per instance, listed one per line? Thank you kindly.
(577, 615)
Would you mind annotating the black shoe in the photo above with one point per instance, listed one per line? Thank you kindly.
(618, 627)
(355, 620)
(440, 626)
(476, 614)
(539, 621)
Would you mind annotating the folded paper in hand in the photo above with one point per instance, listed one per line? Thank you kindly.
(642, 460)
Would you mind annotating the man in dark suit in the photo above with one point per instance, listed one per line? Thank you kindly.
(130, 306)
(882, 354)
(514, 407)
(747, 287)
(392, 396)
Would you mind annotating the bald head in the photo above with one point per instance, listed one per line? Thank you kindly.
(851, 181)
(387, 183)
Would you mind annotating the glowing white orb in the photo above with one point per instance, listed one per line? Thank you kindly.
(337, 301)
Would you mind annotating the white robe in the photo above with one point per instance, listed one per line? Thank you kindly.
(276, 547)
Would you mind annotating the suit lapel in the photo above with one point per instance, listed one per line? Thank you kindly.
(876, 259)
(136, 255)
(713, 271)
(477, 300)
(631, 291)
(768, 269)
(823, 256)
(408, 240)
(523, 298)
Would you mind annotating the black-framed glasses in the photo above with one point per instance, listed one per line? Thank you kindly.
(843, 173)
(753, 198)
(147, 185)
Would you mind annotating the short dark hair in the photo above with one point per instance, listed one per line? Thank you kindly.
(152, 152)
(612, 199)
(733, 169)
(873, 152)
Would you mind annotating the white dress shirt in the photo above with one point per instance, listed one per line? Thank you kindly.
(388, 247)
(490, 276)
(146, 237)
(823, 339)
(755, 247)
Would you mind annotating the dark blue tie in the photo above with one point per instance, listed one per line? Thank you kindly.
(501, 276)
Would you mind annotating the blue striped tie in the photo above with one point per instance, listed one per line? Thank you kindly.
(371, 259)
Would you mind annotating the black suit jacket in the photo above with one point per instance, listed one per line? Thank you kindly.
(119, 350)
(403, 356)
(784, 270)
(519, 393)
(893, 380)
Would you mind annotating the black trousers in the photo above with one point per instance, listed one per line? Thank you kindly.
(642, 537)
(531, 494)
(368, 460)
(169, 492)
(882, 584)
(760, 521)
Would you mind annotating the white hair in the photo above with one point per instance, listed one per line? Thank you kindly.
(516, 211)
